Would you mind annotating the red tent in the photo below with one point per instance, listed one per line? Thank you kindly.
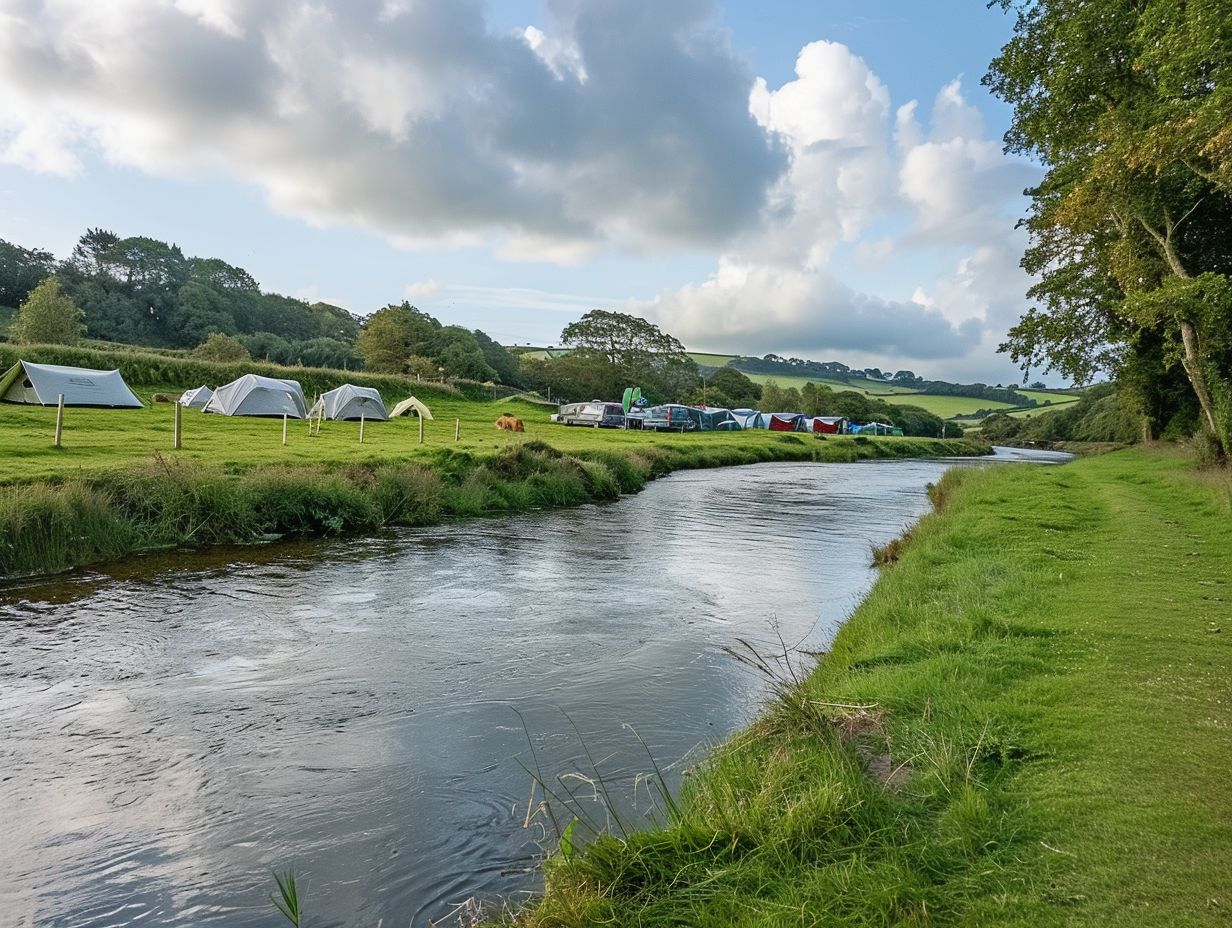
(829, 425)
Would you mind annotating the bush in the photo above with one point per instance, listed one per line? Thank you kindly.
(223, 348)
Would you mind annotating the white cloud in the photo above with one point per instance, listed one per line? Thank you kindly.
(421, 290)
(616, 122)
(854, 167)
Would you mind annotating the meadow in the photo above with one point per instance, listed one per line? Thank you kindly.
(117, 486)
(1026, 723)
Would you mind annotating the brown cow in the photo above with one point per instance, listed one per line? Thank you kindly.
(510, 423)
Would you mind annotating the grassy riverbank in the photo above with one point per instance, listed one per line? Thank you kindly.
(116, 487)
(1028, 723)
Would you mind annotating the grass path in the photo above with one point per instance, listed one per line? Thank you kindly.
(1049, 668)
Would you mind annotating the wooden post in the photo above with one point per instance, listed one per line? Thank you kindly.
(421, 430)
(361, 428)
(59, 419)
(284, 429)
(457, 429)
(176, 434)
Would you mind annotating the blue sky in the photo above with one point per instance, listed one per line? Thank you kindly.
(670, 163)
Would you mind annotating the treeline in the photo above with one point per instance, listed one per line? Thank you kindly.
(1104, 414)
(835, 370)
(145, 292)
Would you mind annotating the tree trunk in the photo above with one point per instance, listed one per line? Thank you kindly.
(1193, 367)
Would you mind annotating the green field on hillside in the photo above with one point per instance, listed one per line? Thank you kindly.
(1056, 399)
(867, 387)
(947, 407)
(1025, 724)
(711, 360)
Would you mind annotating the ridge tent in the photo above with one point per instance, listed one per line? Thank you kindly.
(42, 384)
(196, 399)
(351, 402)
(254, 395)
(408, 405)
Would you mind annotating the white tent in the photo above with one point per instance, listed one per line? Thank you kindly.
(42, 384)
(409, 405)
(196, 399)
(253, 395)
(351, 402)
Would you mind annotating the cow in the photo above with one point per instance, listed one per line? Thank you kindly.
(510, 423)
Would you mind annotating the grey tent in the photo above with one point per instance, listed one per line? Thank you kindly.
(351, 402)
(254, 395)
(409, 405)
(42, 384)
(196, 399)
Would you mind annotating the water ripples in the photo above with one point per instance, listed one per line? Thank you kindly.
(173, 732)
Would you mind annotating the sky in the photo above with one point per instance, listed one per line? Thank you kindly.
(811, 178)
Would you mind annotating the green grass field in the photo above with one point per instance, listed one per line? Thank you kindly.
(1027, 723)
(96, 440)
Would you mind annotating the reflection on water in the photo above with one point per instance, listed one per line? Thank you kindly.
(171, 734)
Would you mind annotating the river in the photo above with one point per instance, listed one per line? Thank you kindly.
(173, 730)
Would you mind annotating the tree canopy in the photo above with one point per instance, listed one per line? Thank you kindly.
(1129, 105)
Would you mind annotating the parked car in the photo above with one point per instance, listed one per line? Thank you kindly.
(671, 418)
(596, 414)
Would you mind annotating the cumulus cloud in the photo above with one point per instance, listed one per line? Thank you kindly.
(854, 166)
(619, 121)
(613, 124)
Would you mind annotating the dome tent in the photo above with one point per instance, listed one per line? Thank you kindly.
(351, 402)
(196, 399)
(254, 395)
(43, 384)
(409, 405)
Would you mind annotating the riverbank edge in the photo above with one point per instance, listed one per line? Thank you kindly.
(52, 525)
(956, 757)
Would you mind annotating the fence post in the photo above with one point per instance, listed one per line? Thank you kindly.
(421, 430)
(361, 428)
(59, 419)
(284, 429)
(177, 434)
(457, 429)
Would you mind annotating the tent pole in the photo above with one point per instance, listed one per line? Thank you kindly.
(176, 434)
(284, 429)
(59, 419)
(361, 428)
(421, 430)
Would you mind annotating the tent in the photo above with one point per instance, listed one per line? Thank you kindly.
(196, 399)
(42, 384)
(351, 402)
(720, 420)
(829, 425)
(254, 395)
(748, 418)
(409, 405)
(788, 422)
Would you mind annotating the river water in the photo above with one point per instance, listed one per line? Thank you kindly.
(173, 731)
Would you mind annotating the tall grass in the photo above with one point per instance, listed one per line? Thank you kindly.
(48, 525)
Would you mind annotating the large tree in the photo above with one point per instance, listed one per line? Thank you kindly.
(1129, 105)
(631, 352)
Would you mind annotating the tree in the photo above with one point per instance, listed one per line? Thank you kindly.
(220, 347)
(48, 317)
(391, 335)
(629, 351)
(737, 387)
(21, 270)
(1128, 103)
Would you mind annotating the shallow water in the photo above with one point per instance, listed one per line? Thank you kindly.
(172, 731)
